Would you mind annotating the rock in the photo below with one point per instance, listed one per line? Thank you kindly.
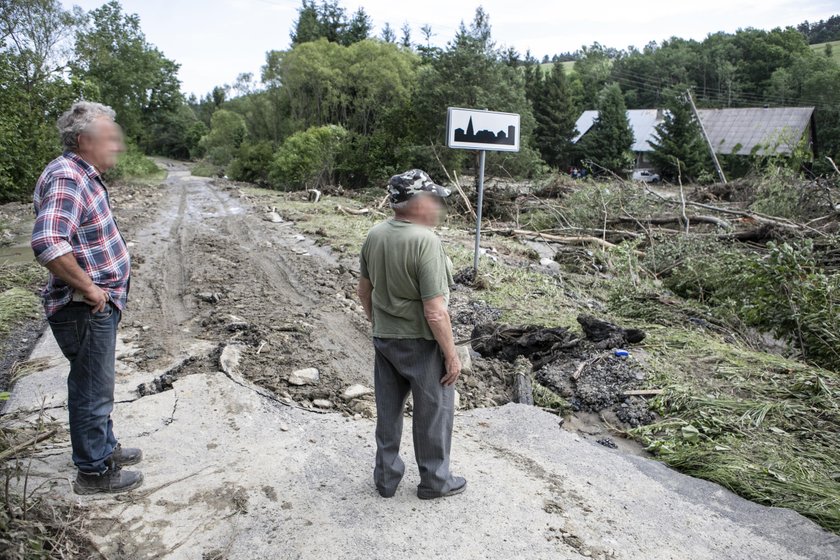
(299, 238)
(273, 217)
(364, 408)
(355, 391)
(549, 263)
(230, 358)
(209, 297)
(284, 427)
(306, 376)
(457, 400)
(465, 357)
(236, 323)
(322, 403)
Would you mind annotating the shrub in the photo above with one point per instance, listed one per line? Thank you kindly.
(227, 132)
(206, 169)
(308, 159)
(133, 164)
(252, 163)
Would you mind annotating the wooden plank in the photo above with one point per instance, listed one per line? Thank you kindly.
(643, 393)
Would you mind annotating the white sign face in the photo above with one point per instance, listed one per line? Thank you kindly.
(472, 129)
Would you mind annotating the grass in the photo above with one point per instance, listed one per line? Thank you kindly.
(761, 425)
(18, 301)
(835, 49)
(568, 66)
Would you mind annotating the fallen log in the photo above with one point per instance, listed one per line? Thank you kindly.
(666, 220)
(643, 393)
(565, 240)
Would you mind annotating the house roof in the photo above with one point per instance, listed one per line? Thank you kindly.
(731, 131)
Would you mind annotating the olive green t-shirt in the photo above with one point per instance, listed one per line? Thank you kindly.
(406, 264)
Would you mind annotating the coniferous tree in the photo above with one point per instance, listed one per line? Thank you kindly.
(678, 146)
(358, 28)
(609, 140)
(388, 34)
(555, 113)
(307, 27)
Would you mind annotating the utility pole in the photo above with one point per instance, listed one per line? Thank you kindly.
(706, 138)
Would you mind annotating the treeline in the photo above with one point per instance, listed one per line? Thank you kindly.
(821, 31)
(348, 104)
(51, 57)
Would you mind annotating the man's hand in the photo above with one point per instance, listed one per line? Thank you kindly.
(453, 370)
(96, 297)
(66, 268)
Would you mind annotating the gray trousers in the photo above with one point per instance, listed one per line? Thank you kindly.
(416, 365)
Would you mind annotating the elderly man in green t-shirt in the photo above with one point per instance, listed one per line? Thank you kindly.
(405, 292)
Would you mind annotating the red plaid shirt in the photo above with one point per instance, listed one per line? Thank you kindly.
(73, 215)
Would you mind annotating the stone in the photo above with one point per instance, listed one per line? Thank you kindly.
(457, 400)
(322, 403)
(306, 376)
(273, 217)
(209, 297)
(355, 391)
(284, 427)
(230, 358)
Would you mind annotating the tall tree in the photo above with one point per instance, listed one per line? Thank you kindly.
(388, 34)
(609, 140)
(405, 38)
(306, 27)
(131, 75)
(35, 36)
(358, 28)
(678, 148)
(555, 113)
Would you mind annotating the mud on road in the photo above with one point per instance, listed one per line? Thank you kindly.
(210, 271)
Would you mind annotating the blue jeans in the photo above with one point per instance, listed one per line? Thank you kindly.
(89, 341)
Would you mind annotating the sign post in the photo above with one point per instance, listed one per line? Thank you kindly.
(474, 129)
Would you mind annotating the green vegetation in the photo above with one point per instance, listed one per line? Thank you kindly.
(308, 159)
(608, 143)
(18, 301)
(134, 164)
(830, 49)
(678, 151)
(762, 426)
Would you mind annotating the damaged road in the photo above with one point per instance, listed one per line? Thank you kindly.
(241, 329)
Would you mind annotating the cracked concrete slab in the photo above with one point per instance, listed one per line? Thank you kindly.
(222, 477)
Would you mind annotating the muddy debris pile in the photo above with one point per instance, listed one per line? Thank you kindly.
(591, 373)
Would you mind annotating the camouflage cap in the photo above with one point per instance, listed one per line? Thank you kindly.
(405, 185)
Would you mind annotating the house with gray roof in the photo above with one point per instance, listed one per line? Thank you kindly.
(761, 131)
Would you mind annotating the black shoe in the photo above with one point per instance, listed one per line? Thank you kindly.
(460, 486)
(124, 456)
(112, 481)
(386, 493)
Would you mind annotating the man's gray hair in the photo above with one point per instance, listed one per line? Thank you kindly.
(78, 119)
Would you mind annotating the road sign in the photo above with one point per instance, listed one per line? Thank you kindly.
(473, 129)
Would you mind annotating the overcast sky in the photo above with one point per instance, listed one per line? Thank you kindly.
(215, 40)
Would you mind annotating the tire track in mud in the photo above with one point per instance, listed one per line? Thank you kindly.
(279, 297)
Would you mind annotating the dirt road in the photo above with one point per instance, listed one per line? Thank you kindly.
(243, 464)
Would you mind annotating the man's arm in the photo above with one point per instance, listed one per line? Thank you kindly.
(437, 315)
(66, 268)
(364, 291)
(59, 215)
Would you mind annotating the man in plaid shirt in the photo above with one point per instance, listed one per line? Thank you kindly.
(76, 238)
